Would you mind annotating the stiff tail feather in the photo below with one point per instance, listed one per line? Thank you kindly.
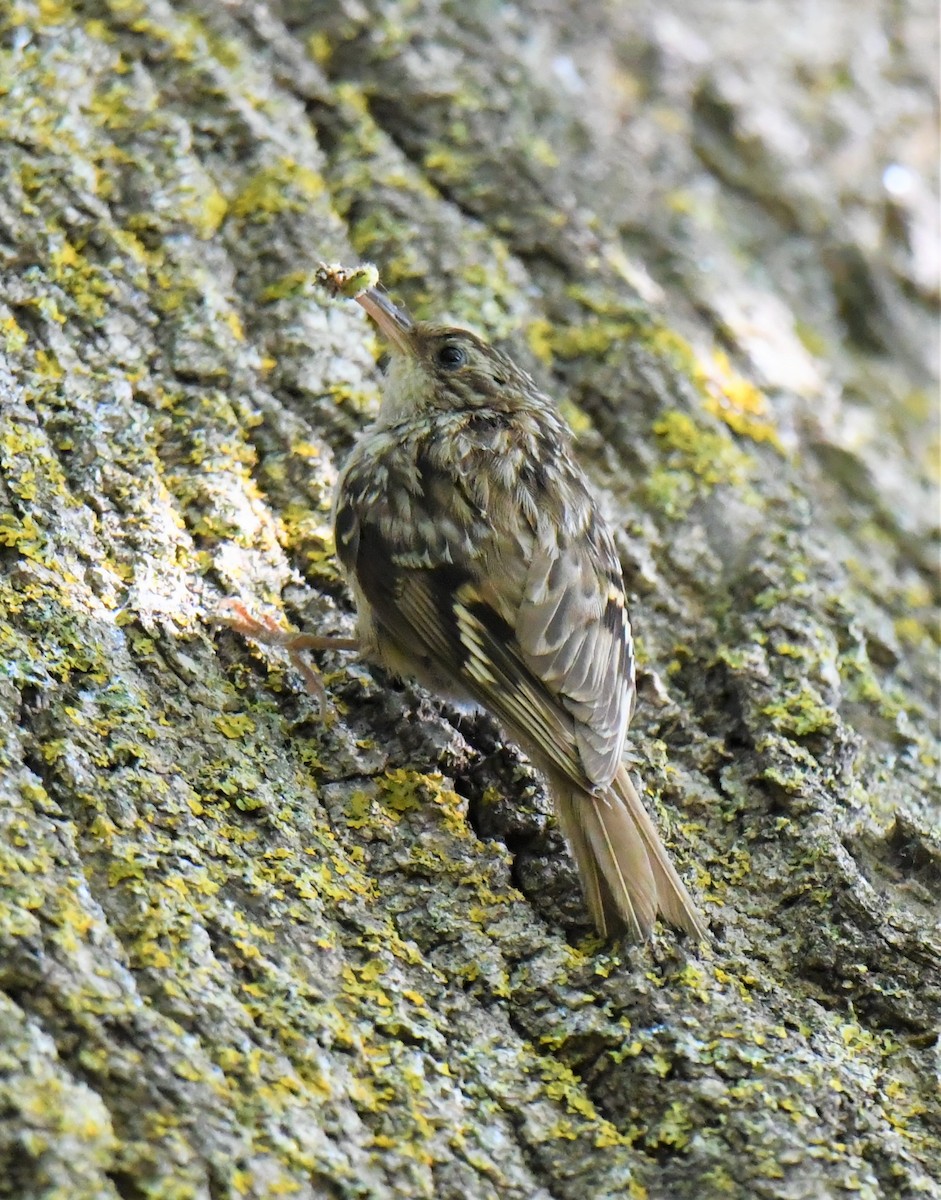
(626, 872)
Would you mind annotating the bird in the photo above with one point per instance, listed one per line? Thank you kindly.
(481, 566)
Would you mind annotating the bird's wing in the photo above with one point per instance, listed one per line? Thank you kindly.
(545, 646)
(574, 634)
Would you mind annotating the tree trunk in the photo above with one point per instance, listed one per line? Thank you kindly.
(247, 953)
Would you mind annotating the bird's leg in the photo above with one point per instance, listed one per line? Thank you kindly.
(234, 615)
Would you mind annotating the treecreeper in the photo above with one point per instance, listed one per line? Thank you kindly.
(481, 566)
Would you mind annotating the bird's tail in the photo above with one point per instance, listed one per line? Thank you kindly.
(626, 872)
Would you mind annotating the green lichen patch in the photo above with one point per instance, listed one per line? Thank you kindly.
(695, 461)
(800, 714)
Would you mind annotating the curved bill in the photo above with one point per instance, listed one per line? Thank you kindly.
(393, 322)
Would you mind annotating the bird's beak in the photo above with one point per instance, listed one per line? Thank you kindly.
(393, 322)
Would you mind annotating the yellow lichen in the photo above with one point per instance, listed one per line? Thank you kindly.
(735, 400)
(283, 186)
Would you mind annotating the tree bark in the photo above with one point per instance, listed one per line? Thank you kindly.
(247, 953)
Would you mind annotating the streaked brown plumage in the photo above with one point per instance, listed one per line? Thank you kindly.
(480, 565)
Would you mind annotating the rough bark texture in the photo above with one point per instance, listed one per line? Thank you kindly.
(244, 954)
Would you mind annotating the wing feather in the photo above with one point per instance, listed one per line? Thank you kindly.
(576, 587)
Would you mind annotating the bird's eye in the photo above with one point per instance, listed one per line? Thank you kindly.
(451, 356)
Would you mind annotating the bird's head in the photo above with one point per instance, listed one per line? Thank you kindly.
(441, 367)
